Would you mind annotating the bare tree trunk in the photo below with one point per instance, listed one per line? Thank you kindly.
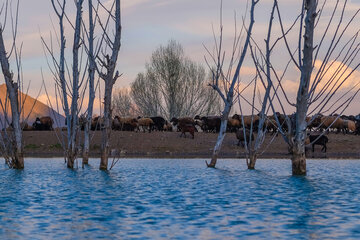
(228, 99)
(298, 158)
(72, 147)
(110, 78)
(221, 136)
(252, 160)
(92, 67)
(12, 91)
(106, 133)
(86, 148)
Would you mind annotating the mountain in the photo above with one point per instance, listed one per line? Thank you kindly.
(38, 110)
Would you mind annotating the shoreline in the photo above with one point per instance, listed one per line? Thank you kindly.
(166, 155)
(44, 144)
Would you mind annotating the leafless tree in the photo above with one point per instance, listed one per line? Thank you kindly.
(123, 105)
(263, 121)
(225, 81)
(108, 63)
(173, 86)
(145, 95)
(68, 85)
(320, 91)
(91, 79)
(11, 142)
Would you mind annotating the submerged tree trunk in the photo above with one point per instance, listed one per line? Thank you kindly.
(106, 132)
(71, 157)
(74, 128)
(298, 157)
(221, 136)
(12, 91)
(86, 148)
(110, 78)
(92, 67)
(252, 160)
(218, 76)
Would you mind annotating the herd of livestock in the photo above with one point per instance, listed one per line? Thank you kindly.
(238, 124)
(345, 124)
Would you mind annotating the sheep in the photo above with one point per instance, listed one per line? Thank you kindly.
(317, 140)
(211, 123)
(187, 128)
(43, 123)
(96, 123)
(145, 123)
(271, 124)
(241, 138)
(167, 127)
(333, 122)
(184, 125)
(159, 123)
(248, 120)
(233, 125)
(349, 125)
(125, 124)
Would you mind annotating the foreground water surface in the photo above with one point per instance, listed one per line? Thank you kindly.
(180, 199)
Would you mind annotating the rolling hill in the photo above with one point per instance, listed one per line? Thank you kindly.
(33, 111)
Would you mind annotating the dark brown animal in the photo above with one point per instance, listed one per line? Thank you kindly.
(248, 120)
(240, 136)
(317, 140)
(211, 123)
(43, 124)
(167, 127)
(96, 123)
(179, 122)
(190, 128)
(124, 124)
(233, 125)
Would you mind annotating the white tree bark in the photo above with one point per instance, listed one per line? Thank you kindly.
(92, 68)
(228, 99)
(298, 158)
(110, 78)
(17, 157)
(71, 113)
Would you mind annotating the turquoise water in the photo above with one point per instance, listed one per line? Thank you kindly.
(180, 199)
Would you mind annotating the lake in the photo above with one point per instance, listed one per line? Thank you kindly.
(180, 199)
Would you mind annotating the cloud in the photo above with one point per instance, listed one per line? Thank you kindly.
(53, 102)
(131, 3)
(337, 75)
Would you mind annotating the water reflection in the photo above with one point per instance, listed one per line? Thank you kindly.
(171, 198)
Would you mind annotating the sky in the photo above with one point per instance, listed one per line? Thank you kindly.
(147, 24)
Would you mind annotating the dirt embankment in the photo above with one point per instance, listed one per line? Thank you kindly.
(170, 145)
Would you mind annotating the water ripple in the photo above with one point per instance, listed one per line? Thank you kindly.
(180, 199)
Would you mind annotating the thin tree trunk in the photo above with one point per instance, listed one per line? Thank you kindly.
(92, 67)
(106, 133)
(72, 146)
(110, 79)
(12, 91)
(220, 139)
(86, 148)
(228, 99)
